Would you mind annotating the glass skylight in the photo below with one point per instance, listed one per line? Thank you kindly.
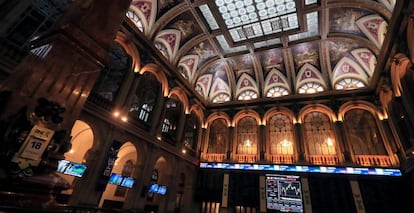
(309, 2)
(226, 47)
(267, 43)
(312, 27)
(254, 18)
(212, 23)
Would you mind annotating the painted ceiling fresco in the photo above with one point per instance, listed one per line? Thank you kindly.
(239, 50)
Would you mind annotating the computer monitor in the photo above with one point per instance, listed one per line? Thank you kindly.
(283, 193)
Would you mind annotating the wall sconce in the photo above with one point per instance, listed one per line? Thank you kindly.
(286, 143)
(247, 143)
(329, 141)
(116, 114)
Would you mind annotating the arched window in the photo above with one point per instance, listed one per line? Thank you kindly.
(135, 19)
(277, 92)
(280, 131)
(319, 136)
(310, 88)
(363, 133)
(192, 126)
(349, 84)
(145, 112)
(162, 49)
(173, 112)
(165, 125)
(221, 98)
(218, 137)
(111, 76)
(247, 95)
(145, 98)
(247, 136)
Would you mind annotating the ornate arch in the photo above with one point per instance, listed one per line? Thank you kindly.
(147, 11)
(159, 75)
(359, 105)
(246, 113)
(316, 108)
(276, 110)
(130, 48)
(182, 97)
(217, 115)
(171, 39)
(199, 112)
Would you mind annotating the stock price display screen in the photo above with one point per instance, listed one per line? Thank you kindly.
(283, 193)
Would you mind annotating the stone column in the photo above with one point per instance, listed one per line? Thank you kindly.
(230, 147)
(342, 141)
(299, 142)
(158, 116)
(59, 73)
(181, 129)
(262, 142)
(67, 60)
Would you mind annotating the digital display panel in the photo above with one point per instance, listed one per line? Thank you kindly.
(158, 189)
(128, 182)
(299, 168)
(284, 193)
(71, 168)
(121, 180)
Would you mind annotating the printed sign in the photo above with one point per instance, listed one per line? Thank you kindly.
(34, 146)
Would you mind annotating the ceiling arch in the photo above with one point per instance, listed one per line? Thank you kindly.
(316, 34)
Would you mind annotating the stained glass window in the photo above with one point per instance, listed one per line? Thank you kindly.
(220, 98)
(247, 136)
(280, 135)
(363, 133)
(310, 88)
(218, 137)
(136, 20)
(349, 84)
(319, 135)
(247, 95)
(277, 92)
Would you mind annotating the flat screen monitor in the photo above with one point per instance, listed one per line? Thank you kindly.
(158, 189)
(283, 193)
(71, 168)
(128, 182)
(121, 180)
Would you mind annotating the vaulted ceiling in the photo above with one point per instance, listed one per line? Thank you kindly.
(238, 51)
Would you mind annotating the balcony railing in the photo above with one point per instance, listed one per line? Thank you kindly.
(281, 159)
(373, 160)
(101, 102)
(323, 159)
(213, 157)
(246, 158)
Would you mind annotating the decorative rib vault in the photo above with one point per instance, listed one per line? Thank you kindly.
(335, 47)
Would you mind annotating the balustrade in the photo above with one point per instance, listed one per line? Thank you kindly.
(373, 160)
(213, 157)
(281, 159)
(246, 158)
(323, 159)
